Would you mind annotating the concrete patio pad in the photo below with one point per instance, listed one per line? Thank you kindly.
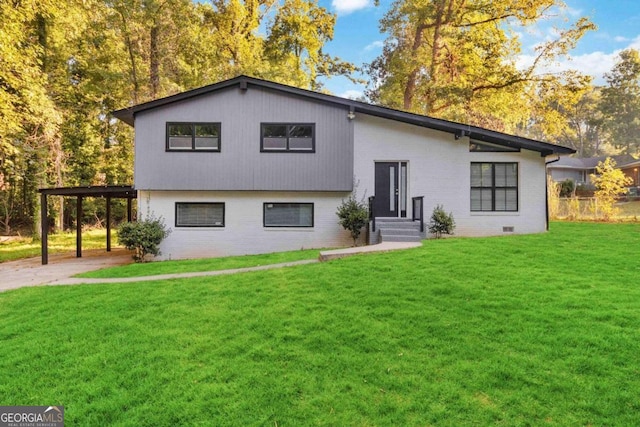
(31, 272)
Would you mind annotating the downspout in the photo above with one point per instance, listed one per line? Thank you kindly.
(546, 190)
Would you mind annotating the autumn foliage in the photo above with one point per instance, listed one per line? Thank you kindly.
(610, 183)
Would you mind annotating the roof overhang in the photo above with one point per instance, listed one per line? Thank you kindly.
(629, 165)
(459, 130)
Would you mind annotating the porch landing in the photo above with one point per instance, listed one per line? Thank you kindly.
(380, 247)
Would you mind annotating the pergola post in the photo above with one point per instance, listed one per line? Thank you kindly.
(79, 227)
(44, 229)
(108, 223)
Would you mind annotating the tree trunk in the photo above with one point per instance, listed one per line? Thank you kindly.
(154, 62)
(439, 21)
(132, 59)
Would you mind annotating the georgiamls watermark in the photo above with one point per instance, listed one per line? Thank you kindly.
(31, 416)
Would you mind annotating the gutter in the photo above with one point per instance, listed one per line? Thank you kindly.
(551, 161)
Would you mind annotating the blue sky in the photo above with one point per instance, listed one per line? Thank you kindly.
(357, 37)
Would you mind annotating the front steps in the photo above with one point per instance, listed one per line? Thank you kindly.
(396, 230)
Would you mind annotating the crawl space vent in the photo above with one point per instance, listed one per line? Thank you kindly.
(507, 229)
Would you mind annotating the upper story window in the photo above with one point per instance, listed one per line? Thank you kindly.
(193, 136)
(494, 187)
(287, 137)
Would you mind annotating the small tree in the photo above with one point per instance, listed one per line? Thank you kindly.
(441, 222)
(610, 183)
(567, 187)
(143, 237)
(354, 216)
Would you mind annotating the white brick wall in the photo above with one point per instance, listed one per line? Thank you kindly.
(439, 170)
(244, 232)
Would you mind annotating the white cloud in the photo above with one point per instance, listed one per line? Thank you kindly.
(635, 44)
(344, 7)
(603, 35)
(352, 94)
(553, 33)
(378, 44)
(573, 12)
(594, 64)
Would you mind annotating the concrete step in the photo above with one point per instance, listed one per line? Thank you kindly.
(392, 220)
(395, 238)
(397, 224)
(400, 231)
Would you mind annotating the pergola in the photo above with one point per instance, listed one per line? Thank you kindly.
(107, 192)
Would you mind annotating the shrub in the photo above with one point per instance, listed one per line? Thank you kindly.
(567, 188)
(143, 237)
(441, 222)
(354, 216)
(585, 190)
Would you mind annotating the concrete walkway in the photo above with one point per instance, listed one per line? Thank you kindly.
(78, 281)
(380, 247)
(61, 267)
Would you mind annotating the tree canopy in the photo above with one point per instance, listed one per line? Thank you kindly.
(456, 59)
(65, 65)
(620, 102)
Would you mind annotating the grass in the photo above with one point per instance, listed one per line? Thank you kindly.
(60, 242)
(195, 265)
(512, 331)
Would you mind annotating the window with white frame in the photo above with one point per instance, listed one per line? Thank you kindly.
(288, 214)
(193, 136)
(494, 187)
(199, 214)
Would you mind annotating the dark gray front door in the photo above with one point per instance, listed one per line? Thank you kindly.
(387, 189)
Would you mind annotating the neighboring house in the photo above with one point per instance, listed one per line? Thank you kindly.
(250, 166)
(580, 169)
(632, 170)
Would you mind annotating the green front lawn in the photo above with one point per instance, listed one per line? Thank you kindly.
(514, 331)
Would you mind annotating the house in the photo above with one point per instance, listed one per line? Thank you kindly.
(631, 168)
(250, 166)
(579, 169)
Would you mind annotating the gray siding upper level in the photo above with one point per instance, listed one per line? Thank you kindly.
(240, 165)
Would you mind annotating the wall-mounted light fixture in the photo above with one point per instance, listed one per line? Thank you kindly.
(351, 114)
